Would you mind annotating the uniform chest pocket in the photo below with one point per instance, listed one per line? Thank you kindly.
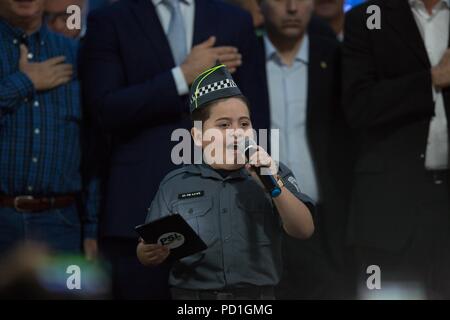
(253, 219)
(198, 214)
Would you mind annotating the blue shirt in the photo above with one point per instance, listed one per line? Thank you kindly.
(288, 92)
(237, 220)
(40, 132)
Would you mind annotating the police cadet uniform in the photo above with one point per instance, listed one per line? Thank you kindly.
(231, 212)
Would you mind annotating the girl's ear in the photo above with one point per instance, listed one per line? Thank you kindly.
(197, 137)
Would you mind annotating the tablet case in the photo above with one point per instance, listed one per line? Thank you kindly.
(174, 232)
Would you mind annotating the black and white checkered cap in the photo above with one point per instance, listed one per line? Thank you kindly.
(213, 84)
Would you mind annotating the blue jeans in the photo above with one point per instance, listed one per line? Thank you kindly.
(58, 229)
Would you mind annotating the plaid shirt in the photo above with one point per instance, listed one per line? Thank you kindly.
(40, 132)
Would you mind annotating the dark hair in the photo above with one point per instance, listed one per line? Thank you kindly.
(202, 114)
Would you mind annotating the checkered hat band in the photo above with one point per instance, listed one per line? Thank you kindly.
(219, 85)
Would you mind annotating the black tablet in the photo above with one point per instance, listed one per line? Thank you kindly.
(172, 231)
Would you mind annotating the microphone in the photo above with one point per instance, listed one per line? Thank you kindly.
(269, 181)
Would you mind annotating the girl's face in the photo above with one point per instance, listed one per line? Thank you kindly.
(228, 123)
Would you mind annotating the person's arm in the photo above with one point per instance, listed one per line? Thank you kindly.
(293, 207)
(14, 89)
(440, 74)
(116, 103)
(33, 77)
(369, 99)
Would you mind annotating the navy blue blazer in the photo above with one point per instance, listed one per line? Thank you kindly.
(126, 67)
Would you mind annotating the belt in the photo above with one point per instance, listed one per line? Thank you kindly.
(250, 293)
(36, 204)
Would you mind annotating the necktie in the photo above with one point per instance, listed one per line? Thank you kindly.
(177, 33)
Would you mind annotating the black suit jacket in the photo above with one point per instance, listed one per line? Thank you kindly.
(388, 99)
(327, 134)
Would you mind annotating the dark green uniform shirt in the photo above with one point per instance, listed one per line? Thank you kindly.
(235, 217)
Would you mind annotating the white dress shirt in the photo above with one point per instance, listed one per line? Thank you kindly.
(434, 29)
(288, 94)
(188, 12)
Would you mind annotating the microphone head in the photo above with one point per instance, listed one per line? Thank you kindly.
(250, 147)
(249, 142)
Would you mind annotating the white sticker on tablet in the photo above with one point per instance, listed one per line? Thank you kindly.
(171, 239)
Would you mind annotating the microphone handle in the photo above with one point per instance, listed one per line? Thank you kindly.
(270, 183)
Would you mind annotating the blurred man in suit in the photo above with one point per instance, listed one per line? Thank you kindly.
(139, 59)
(396, 83)
(301, 96)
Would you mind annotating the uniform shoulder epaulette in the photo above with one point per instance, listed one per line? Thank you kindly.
(282, 169)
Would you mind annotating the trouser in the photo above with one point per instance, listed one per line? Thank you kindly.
(58, 229)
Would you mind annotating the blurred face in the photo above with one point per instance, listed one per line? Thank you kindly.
(56, 11)
(228, 123)
(329, 9)
(287, 18)
(252, 7)
(23, 10)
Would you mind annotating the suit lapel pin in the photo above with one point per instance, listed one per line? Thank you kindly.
(323, 65)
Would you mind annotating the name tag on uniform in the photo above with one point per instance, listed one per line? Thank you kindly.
(189, 195)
